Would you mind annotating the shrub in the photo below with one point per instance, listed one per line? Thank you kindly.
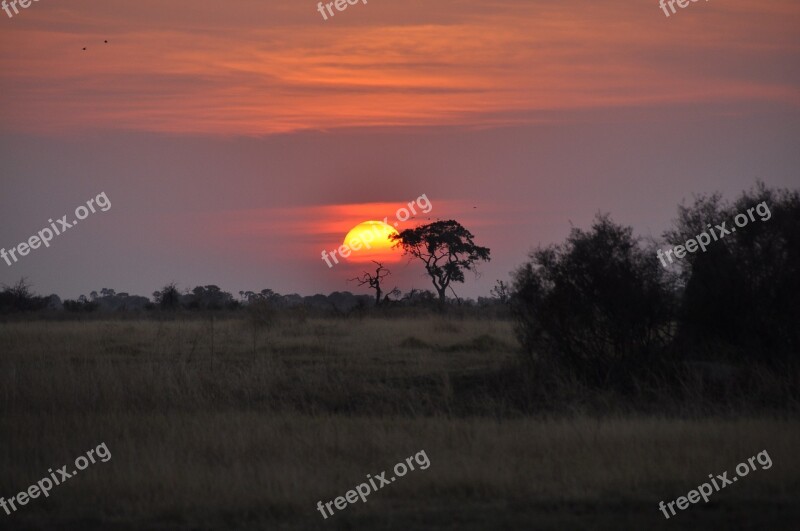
(598, 306)
(741, 295)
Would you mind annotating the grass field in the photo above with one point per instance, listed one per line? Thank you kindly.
(251, 435)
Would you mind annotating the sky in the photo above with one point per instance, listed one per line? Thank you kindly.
(236, 141)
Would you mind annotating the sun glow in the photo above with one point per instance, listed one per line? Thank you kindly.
(370, 241)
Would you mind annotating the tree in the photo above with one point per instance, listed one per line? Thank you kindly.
(107, 292)
(501, 291)
(169, 298)
(598, 306)
(374, 281)
(210, 297)
(20, 298)
(446, 248)
(21, 290)
(741, 292)
(395, 292)
(81, 305)
(419, 298)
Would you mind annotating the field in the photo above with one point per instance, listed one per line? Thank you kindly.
(218, 425)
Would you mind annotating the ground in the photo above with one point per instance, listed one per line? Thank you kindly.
(253, 438)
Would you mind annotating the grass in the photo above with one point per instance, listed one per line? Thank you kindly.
(252, 440)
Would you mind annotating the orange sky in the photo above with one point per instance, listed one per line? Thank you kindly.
(250, 68)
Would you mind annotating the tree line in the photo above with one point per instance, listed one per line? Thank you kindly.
(600, 307)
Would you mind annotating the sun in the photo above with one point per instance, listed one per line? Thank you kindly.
(369, 240)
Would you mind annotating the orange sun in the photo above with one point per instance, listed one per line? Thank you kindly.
(370, 241)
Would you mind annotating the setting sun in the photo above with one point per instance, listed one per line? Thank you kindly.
(370, 241)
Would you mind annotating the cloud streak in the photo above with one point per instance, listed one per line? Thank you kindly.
(466, 64)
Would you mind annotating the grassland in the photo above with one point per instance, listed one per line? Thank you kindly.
(250, 432)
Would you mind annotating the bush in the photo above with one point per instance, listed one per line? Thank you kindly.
(598, 307)
(19, 298)
(741, 295)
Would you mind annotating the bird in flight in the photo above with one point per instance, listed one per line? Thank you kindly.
(105, 41)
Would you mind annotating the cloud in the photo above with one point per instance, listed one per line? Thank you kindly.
(263, 68)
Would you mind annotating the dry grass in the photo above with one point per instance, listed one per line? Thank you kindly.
(253, 441)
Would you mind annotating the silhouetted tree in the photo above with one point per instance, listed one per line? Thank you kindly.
(741, 294)
(598, 305)
(107, 292)
(168, 298)
(394, 292)
(419, 297)
(82, 305)
(19, 297)
(446, 248)
(209, 297)
(373, 281)
(502, 291)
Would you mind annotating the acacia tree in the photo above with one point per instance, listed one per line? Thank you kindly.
(446, 248)
(374, 281)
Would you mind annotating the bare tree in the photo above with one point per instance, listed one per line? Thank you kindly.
(374, 281)
(502, 291)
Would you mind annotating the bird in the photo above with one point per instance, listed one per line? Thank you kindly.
(106, 41)
(84, 47)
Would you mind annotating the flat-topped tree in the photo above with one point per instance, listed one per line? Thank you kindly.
(446, 248)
